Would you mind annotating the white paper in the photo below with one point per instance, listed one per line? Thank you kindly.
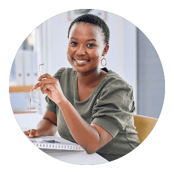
(54, 142)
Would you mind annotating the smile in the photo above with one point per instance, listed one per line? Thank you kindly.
(80, 62)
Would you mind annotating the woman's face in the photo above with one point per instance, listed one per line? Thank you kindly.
(85, 47)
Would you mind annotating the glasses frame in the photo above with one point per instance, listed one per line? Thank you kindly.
(35, 97)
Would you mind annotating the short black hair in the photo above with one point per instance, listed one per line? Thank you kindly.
(95, 20)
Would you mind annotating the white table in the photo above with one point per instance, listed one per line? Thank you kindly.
(30, 121)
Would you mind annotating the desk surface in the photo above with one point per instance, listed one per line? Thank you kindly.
(29, 121)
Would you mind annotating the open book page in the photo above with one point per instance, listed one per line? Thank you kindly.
(54, 142)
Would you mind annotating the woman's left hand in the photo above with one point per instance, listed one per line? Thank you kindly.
(50, 86)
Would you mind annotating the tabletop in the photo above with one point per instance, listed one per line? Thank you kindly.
(30, 121)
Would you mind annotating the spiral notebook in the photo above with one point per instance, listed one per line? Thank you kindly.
(53, 142)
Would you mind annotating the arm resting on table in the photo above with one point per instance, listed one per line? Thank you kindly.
(46, 127)
(90, 136)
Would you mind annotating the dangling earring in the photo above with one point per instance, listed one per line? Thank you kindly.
(102, 62)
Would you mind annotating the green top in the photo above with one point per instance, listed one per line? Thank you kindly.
(110, 105)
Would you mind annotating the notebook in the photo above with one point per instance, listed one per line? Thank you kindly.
(54, 142)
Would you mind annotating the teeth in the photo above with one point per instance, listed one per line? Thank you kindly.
(80, 61)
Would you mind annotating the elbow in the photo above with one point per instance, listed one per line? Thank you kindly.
(90, 149)
(91, 146)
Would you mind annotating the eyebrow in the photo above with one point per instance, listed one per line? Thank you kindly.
(92, 40)
(74, 38)
(87, 40)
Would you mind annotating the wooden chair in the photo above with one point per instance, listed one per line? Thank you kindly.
(144, 126)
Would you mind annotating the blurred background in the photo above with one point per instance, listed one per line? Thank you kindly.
(131, 55)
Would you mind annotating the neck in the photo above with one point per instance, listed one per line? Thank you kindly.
(89, 78)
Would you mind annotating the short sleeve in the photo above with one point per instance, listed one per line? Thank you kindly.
(114, 108)
(51, 106)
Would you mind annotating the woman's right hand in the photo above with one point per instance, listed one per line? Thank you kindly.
(32, 133)
(46, 127)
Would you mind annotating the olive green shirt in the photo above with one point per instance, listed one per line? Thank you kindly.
(110, 105)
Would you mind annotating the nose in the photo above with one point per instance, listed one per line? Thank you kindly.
(80, 50)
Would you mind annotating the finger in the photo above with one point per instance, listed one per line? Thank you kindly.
(48, 85)
(42, 87)
(46, 81)
(32, 133)
(36, 86)
(43, 82)
(47, 88)
(27, 132)
(39, 84)
(48, 76)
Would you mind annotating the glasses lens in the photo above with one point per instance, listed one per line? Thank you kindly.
(33, 107)
(34, 104)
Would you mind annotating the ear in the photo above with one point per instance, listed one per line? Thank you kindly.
(106, 48)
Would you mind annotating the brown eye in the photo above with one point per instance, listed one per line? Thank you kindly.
(90, 45)
(73, 43)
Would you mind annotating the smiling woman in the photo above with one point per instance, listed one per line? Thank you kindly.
(86, 48)
(90, 106)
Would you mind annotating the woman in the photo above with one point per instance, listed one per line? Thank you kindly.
(88, 105)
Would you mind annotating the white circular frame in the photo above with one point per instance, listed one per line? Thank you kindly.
(152, 36)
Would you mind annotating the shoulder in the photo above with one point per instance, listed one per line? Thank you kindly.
(116, 93)
(64, 72)
(114, 80)
(114, 87)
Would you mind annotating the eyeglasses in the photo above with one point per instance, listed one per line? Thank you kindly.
(34, 104)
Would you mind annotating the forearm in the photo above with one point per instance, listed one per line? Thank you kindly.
(84, 134)
(90, 137)
(46, 128)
